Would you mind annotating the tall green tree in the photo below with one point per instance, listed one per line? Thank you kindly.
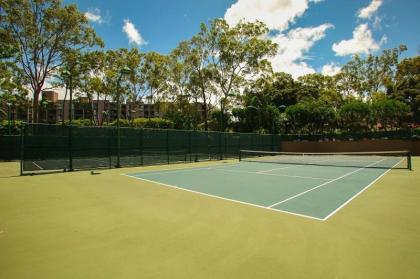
(354, 115)
(365, 76)
(43, 30)
(313, 87)
(154, 72)
(406, 87)
(238, 55)
(179, 73)
(389, 113)
(200, 84)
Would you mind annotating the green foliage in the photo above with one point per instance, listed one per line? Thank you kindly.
(219, 121)
(354, 115)
(310, 117)
(181, 120)
(158, 123)
(14, 128)
(205, 73)
(389, 113)
(407, 85)
(80, 122)
(43, 31)
(366, 76)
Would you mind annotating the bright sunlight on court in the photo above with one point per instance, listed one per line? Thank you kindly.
(282, 182)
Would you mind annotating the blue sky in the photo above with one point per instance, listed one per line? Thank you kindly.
(313, 35)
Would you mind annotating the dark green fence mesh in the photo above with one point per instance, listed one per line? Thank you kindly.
(55, 147)
(9, 147)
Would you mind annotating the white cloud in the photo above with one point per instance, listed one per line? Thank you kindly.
(369, 11)
(276, 14)
(132, 33)
(330, 69)
(94, 15)
(316, 1)
(293, 46)
(361, 43)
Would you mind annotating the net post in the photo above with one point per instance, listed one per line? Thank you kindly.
(22, 147)
(240, 155)
(409, 166)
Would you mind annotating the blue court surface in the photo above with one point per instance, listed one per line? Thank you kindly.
(312, 191)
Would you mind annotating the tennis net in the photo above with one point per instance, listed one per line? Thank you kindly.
(384, 159)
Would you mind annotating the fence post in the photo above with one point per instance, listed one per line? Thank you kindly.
(208, 145)
(226, 143)
(189, 144)
(109, 140)
(272, 142)
(239, 146)
(409, 161)
(70, 148)
(22, 147)
(220, 146)
(141, 147)
(167, 145)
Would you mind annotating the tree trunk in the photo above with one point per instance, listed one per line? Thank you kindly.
(35, 105)
(206, 125)
(92, 107)
(97, 112)
(62, 108)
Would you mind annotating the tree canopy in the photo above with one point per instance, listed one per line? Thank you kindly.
(219, 79)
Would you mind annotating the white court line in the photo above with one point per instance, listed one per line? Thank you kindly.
(323, 184)
(361, 191)
(283, 168)
(273, 174)
(186, 169)
(38, 166)
(226, 199)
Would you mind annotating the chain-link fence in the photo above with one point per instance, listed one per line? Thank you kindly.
(54, 147)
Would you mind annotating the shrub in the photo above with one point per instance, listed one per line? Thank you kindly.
(145, 123)
(15, 127)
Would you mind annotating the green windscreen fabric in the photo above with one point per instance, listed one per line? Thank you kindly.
(56, 147)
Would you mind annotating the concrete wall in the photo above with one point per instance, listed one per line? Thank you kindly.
(351, 146)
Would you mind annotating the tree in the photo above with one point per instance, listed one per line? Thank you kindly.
(180, 71)
(407, 85)
(114, 62)
(371, 74)
(43, 30)
(200, 83)
(154, 72)
(354, 115)
(133, 62)
(11, 89)
(89, 71)
(311, 117)
(389, 113)
(238, 55)
(313, 87)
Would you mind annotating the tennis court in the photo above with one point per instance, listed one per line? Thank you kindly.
(309, 185)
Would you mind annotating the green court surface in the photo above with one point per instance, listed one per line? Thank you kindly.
(78, 225)
(305, 190)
